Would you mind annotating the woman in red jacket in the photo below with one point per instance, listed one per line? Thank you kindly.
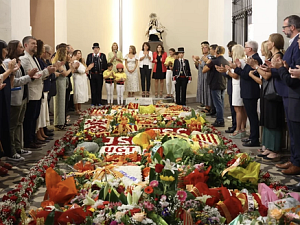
(159, 70)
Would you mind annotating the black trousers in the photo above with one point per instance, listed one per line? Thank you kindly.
(233, 114)
(180, 87)
(291, 130)
(145, 76)
(29, 124)
(295, 128)
(96, 82)
(251, 109)
(212, 107)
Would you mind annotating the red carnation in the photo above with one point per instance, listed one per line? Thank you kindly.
(13, 198)
(6, 211)
(159, 168)
(134, 211)
(121, 189)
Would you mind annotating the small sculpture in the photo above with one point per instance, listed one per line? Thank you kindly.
(155, 28)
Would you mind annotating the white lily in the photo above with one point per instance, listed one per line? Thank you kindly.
(136, 194)
(88, 199)
(152, 165)
(170, 165)
(203, 198)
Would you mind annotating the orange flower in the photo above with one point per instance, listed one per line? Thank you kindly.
(146, 171)
(148, 190)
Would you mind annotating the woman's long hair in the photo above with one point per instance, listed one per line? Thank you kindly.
(2, 46)
(81, 59)
(61, 55)
(12, 50)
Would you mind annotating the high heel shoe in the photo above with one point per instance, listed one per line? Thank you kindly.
(143, 94)
(156, 95)
(148, 94)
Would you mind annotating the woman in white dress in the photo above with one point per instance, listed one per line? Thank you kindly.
(237, 101)
(80, 80)
(131, 64)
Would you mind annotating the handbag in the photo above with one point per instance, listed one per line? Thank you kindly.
(270, 91)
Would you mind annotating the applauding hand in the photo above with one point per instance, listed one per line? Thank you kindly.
(295, 73)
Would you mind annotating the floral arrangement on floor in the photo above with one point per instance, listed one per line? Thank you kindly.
(164, 166)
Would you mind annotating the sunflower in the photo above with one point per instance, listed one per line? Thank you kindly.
(148, 190)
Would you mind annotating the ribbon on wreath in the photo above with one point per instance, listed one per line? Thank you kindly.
(100, 172)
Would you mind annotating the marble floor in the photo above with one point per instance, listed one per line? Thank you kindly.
(21, 168)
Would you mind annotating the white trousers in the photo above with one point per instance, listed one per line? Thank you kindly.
(110, 92)
(120, 92)
(169, 84)
(43, 119)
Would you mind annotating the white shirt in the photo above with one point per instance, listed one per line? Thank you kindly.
(146, 61)
(291, 40)
(96, 55)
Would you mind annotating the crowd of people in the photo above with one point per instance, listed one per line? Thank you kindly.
(275, 82)
(30, 76)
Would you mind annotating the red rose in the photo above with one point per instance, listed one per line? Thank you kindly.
(159, 168)
(267, 175)
(12, 218)
(121, 189)
(45, 167)
(13, 198)
(23, 203)
(6, 211)
(4, 198)
(33, 177)
(52, 165)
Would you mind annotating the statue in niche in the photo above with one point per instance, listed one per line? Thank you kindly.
(155, 28)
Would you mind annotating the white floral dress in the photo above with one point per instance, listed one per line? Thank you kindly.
(132, 82)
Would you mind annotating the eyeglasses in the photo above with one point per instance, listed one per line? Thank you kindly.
(283, 27)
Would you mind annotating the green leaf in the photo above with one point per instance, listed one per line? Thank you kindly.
(193, 114)
(113, 196)
(226, 182)
(50, 218)
(123, 199)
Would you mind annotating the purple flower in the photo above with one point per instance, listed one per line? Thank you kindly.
(165, 212)
(114, 223)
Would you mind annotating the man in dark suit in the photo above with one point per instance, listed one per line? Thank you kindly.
(291, 26)
(292, 113)
(217, 84)
(250, 93)
(182, 75)
(97, 64)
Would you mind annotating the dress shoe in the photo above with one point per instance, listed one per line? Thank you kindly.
(251, 144)
(32, 145)
(48, 130)
(295, 188)
(49, 134)
(230, 130)
(68, 124)
(292, 170)
(218, 124)
(284, 165)
(246, 140)
(40, 142)
(49, 138)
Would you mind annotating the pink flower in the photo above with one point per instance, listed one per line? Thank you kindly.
(154, 183)
(181, 195)
(199, 167)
